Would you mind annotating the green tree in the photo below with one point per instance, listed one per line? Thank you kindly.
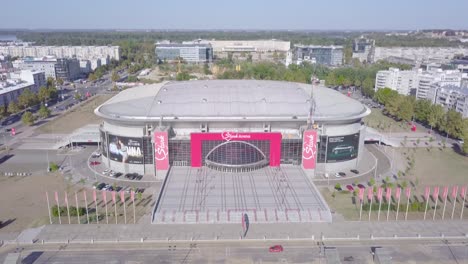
(386, 95)
(44, 112)
(43, 94)
(50, 82)
(422, 110)
(59, 81)
(368, 87)
(3, 112)
(406, 108)
(454, 124)
(13, 108)
(392, 104)
(436, 116)
(28, 118)
(115, 76)
(77, 96)
(27, 98)
(92, 77)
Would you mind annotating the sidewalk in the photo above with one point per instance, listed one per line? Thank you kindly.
(334, 231)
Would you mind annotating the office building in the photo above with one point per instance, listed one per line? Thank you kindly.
(192, 53)
(363, 49)
(67, 69)
(85, 66)
(326, 55)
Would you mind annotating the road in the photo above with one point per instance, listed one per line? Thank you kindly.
(440, 251)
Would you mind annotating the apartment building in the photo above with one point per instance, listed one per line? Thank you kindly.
(404, 82)
(79, 52)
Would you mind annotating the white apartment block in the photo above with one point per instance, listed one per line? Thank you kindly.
(80, 52)
(450, 97)
(419, 54)
(36, 77)
(404, 82)
(427, 79)
(46, 65)
(11, 89)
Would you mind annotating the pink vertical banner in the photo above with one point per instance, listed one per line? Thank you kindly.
(463, 191)
(427, 192)
(388, 194)
(161, 150)
(104, 196)
(122, 196)
(370, 193)
(398, 193)
(56, 197)
(408, 192)
(309, 149)
(132, 196)
(445, 192)
(379, 193)
(435, 195)
(454, 191)
(361, 194)
(113, 196)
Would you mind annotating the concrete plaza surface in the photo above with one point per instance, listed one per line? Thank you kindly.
(282, 231)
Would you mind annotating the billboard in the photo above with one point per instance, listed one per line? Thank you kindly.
(342, 148)
(104, 144)
(161, 150)
(125, 149)
(309, 149)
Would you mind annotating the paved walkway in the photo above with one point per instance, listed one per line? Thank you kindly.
(333, 231)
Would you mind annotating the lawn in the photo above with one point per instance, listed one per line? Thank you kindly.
(383, 123)
(77, 117)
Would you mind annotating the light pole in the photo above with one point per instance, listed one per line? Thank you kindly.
(48, 162)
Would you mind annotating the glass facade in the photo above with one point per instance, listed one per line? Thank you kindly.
(179, 152)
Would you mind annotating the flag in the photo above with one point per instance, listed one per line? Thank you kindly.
(122, 196)
(94, 195)
(113, 196)
(445, 192)
(427, 192)
(408, 192)
(463, 191)
(435, 195)
(132, 196)
(361, 194)
(398, 193)
(454, 191)
(66, 199)
(370, 193)
(379, 193)
(104, 196)
(388, 194)
(56, 197)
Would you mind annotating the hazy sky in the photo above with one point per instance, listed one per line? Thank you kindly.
(234, 14)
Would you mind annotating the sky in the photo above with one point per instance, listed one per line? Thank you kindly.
(235, 14)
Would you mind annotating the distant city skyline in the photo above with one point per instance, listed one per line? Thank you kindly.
(240, 14)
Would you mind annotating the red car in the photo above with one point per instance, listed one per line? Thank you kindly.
(350, 188)
(276, 248)
(361, 186)
(94, 163)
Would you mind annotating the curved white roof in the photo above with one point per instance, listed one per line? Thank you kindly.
(230, 100)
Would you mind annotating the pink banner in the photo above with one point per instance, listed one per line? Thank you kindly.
(161, 150)
(408, 192)
(454, 191)
(56, 197)
(94, 195)
(104, 196)
(361, 194)
(379, 193)
(463, 191)
(388, 194)
(427, 192)
(445, 193)
(309, 149)
(435, 195)
(132, 195)
(398, 193)
(113, 196)
(122, 196)
(66, 199)
(370, 193)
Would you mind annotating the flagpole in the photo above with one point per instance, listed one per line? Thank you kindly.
(388, 209)
(425, 210)
(407, 207)
(125, 212)
(115, 207)
(107, 217)
(97, 214)
(360, 212)
(445, 204)
(58, 206)
(134, 214)
(435, 208)
(68, 208)
(463, 206)
(86, 204)
(370, 206)
(454, 201)
(77, 208)
(380, 205)
(398, 207)
(48, 207)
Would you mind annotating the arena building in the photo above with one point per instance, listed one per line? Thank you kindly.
(274, 133)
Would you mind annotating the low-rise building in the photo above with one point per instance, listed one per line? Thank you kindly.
(326, 55)
(45, 64)
(36, 77)
(363, 49)
(192, 53)
(11, 89)
(450, 97)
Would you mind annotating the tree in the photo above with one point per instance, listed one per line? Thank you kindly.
(50, 82)
(436, 116)
(115, 76)
(43, 94)
(13, 108)
(27, 118)
(44, 112)
(3, 112)
(454, 123)
(386, 95)
(406, 108)
(27, 98)
(92, 77)
(368, 87)
(392, 104)
(59, 81)
(422, 110)
(78, 96)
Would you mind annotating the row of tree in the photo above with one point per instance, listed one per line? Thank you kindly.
(408, 108)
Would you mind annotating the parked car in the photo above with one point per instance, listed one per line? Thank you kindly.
(99, 186)
(96, 155)
(106, 171)
(275, 249)
(361, 186)
(350, 188)
(340, 174)
(355, 171)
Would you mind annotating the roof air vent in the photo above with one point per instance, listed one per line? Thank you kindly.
(165, 89)
(159, 102)
(264, 99)
(204, 100)
(294, 117)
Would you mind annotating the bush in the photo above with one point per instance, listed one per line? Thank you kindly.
(63, 211)
(338, 187)
(53, 166)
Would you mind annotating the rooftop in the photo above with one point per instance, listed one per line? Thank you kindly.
(246, 100)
